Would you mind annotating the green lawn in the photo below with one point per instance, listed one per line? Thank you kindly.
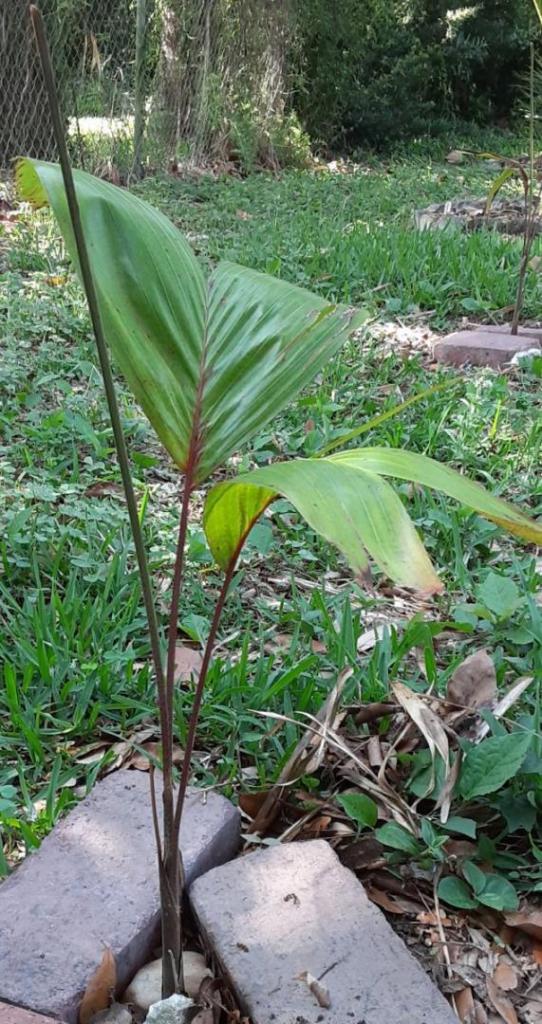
(73, 650)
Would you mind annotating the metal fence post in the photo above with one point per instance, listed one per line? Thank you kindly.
(139, 113)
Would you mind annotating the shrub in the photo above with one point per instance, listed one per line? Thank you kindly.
(370, 71)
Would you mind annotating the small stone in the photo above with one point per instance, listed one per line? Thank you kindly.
(175, 1010)
(146, 987)
(482, 347)
(115, 1014)
(195, 970)
(281, 914)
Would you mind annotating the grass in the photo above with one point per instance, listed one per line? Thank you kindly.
(76, 676)
(347, 233)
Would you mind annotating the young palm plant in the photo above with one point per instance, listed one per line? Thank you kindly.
(211, 359)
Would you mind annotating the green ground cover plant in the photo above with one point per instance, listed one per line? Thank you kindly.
(75, 653)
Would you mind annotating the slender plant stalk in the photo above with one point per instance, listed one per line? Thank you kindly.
(169, 859)
(530, 208)
(172, 874)
(92, 301)
(139, 116)
(167, 845)
(198, 695)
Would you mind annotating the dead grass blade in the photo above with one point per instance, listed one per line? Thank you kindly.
(365, 779)
(428, 724)
(306, 757)
(501, 1003)
(504, 704)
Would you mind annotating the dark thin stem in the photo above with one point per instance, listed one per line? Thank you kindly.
(171, 862)
(176, 592)
(154, 808)
(139, 115)
(196, 706)
(170, 867)
(92, 300)
(530, 221)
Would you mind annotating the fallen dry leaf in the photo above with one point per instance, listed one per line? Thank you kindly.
(374, 752)
(503, 705)
(319, 991)
(529, 919)
(363, 854)
(318, 825)
(480, 1015)
(371, 636)
(100, 989)
(427, 722)
(187, 663)
(243, 215)
(505, 976)
(464, 1001)
(393, 904)
(56, 280)
(501, 1003)
(251, 803)
(103, 489)
(151, 753)
(474, 682)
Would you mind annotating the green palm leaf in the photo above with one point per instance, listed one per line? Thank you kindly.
(344, 498)
(422, 470)
(209, 360)
(354, 509)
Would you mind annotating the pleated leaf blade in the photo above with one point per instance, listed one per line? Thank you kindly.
(355, 510)
(210, 361)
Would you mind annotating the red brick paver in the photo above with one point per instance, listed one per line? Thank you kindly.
(276, 914)
(16, 1015)
(483, 347)
(94, 882)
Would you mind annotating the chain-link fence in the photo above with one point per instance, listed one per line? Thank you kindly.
(145, 84)
(102, 52)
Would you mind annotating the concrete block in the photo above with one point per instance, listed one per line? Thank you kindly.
(277, 913)
(94, 881)
(483, 347)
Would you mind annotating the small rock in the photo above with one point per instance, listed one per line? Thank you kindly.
(146, 987)
(194, 971)
(115, 1014)
(175, 1010)
(526, 357)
